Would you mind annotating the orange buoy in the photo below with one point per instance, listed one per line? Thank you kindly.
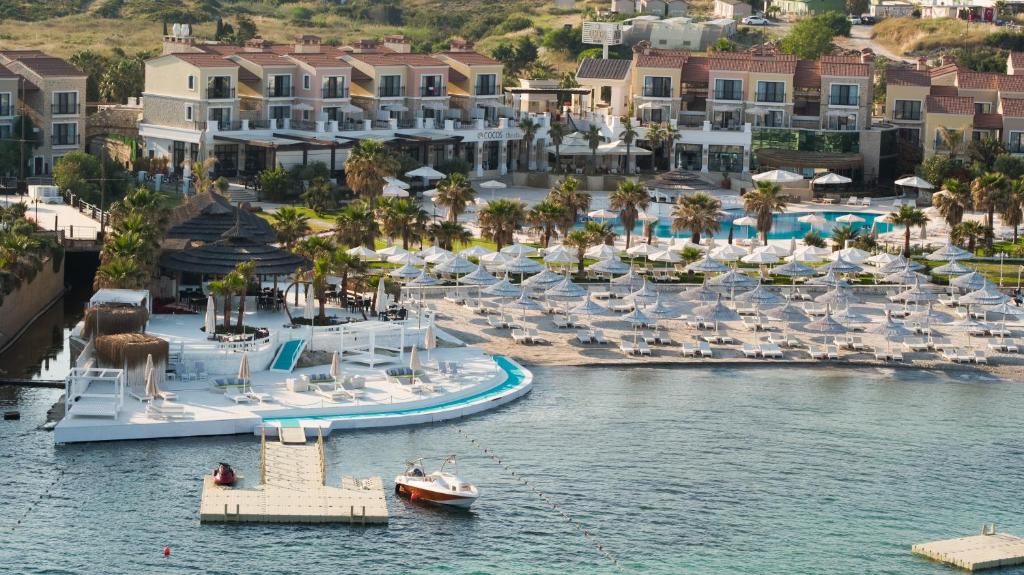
(167, 551)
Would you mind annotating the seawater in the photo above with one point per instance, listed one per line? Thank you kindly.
(762, 470)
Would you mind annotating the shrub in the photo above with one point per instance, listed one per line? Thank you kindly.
(814, 239)
(274, 184)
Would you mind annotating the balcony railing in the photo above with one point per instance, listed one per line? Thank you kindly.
(806, 122)
(329, 93)
(691, 120)
(391, 92)
(281, 92)
(847, 101)
(728, 95)
(220, 94)
(771, 97)
(657, 93)
(906, 115)
(485, 90)
(66, 109)
(64, 139)
(433, 91)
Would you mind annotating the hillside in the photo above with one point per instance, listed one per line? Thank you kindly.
(64, 27)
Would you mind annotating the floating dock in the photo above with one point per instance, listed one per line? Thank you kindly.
(293, 489)
(977, 552)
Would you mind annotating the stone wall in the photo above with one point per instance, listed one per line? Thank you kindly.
(20, 307)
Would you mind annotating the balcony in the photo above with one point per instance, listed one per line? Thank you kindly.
(65, 109)
(220, 93)
(771, 97)
(906, 115)
(657, 94)
(728, 95)
(840, 101)
(281, 92)
(691, 119)
(64, 139)
(391, 92)
(485, 90)
(334, 93)
(805, 122)
(433, 91)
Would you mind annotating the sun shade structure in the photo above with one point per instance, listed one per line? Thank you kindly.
(762, 258)
(794, 270)
(406, 258)
(522, 265)
(787, 313)
(882, 259)
(914, 182)
(502, 289)
(733, 279)
(220, 257)
(953, 268)
(610, 266)
(362, 252)
(971, 281)
(455, 265)
(905, 277)
(917, 294)
(728, 253)
(707, 265)
(629, 279)
(207, 217)
(841, 266)
(479, 277)
(395, 250)
(760, 296)
(745, 221)
(589, 307)
(425, 172)
(716, 312)
(838, 297)
(846, 316)
(987, 295)
(900, 264)
(393, 191)
(826, 325)
(407, 271)
(830, 279)
(949, 252)
(638, 317)
(815, 220)
(602, 251)
(701, 293)
(852, 255)
(643, 296)
(832, 179)
(519, 250)
(388, 180)
(602, 214)
(424, 280)
(659, 310)
(778, 177)
(475, 252)
(433, 251)
(543, 280)
(566, 289)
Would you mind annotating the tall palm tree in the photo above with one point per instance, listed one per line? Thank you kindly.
(628, 135)
(697, 214)
(991, 192)
(346, 265)
(671, 133)
(368, 163)
(953, 200)
(121, 273)
(235, 284)
(953, 139)
(581, 241)
(500, 219)
(764, 202)
(556, 133)
(447, 234)
(544, 218)
(317, 277)
(315, 246)
(204, 175)
(656, 135)
(129, 245)
(566, 194)
(401, 218)
(245, 272)
(220, 288)
(967, 233)
(602, 232)
(529, 128)
(593, 138)
(290, 224)
(628, 200)
(841, 235)
(356, 226)
(910, 217)
(454, 194)
(1012, 213)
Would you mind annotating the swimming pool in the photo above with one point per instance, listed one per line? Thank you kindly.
(784, 227)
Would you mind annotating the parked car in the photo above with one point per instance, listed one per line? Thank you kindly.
(854, 20)
(756, 21)
(868, 19)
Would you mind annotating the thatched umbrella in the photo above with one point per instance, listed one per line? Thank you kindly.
(129, 351)
(112, 319)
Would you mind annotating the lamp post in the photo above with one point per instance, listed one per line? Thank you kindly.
(1001, 255)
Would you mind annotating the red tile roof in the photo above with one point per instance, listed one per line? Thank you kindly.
(398, 59)
(205, 60)
(1017, 60)
(47, 66)
(599, 69)
(1010, 83)
(746, 62)
(988, 121)
(907, 77)
(658, 61)
(976, 80)
(265, 59)
(695, 70)
(1012, 107)
(472, 58)
(943, 70)
(807, 75)
(958, 105)
(941, 90)
(320, 60)
(845, 69)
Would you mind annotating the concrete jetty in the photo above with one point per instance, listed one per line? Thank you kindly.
(977, 552)
(292, 489)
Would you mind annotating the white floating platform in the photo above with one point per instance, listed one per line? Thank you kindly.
(976, 552)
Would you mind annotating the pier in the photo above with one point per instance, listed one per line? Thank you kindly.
(293, 489)
(977, 552)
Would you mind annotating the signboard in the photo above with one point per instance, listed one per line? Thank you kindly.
(498, 134)
(602, 33)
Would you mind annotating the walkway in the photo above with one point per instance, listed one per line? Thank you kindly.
(72, 222)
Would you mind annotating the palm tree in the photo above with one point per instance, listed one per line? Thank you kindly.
(628, 200)
(204, 175)
(447, 234)
(581, 241)
(319, 196)
(129, 246)
(220, 288)
(656, 135)
(454, 194)
(567, 196)
(500, 219)
(953, 200)
(671, 133)
(602, 232)
(910, 217)
(121, 273)
(235, 284)
(556, 133)
(529, 128)
(967, 233)
(841, 235)
(368, 163)
(593, 138)
(290, 224)
(764, 202)
(698, 214)
(317, 276)
(245, 272)
(543, 218)
(953, 140)
(315, 246)
(628, 136)
(400, 217)
(356, 226)
(346, 265)
(1012, 211)
(991, 192)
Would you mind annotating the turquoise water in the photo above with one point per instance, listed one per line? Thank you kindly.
(786, 226)
(515, 377)
(716, 471)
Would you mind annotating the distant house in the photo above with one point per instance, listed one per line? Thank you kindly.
(565, 4)
(624, 6)
(810, 7)
(732, 9)
(891, 9)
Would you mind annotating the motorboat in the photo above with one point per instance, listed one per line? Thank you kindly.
(224, 475)
(440, 487)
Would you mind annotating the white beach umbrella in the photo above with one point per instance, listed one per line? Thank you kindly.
(150, 378)
(728, 253)
(430, 194)
(761, 258)
(393, 191)
(602, 251)
(407, 258)
(406, 272)
(438, 258)
(613, 266)
(495, 258)
(814, 219)
(777, 177)
(475, 252)
(518, 249)
(853, 255)
(949, 252)
(479, 277)
(809, 254)
(210, 323)
(395, 250)
(493, 185)
(432, 251)
(381, 301)
(362, 252)
(953, 268)
(850, 219)
(914, 182)
(641, 250)
(429, 340)
(243, 367)
(745, 221)
(882, 258)
(707, 264)
(425, 172)
(602, 214)
(455, 265)
(664, 256)
(775, 249)
(562, 256)
(396, 182)
(414, 359)
(831, 179)
(335, 366)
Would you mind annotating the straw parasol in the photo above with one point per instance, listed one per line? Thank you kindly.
(826, 325)
(522, 265)
(899, 264)
(759, 296)
(917, 294)
(455, 265)
(502, 289)
(589, 307)
(638, 317)
(406, 272)
(395, 250)
(968, 325)
(728, 253)
(566, 289)
(658, 310)
(423, 280)
(643, 296)
(111, 319)
(848, 317)
(987, 295)
(475, 252)
(776, 249)
(760, 258)
(524, 304)
(949, 252)
(883, 258)
(641, 250)
(716, 312)
(518, 250)
(905, 277)
(1005, 309)
(495, 259)
(210, 321)
(841, 266)
(611, 265)
(830, 279)
(602, 251)
(953, 268)
(701, 293)
(543, 280)
(971, 281)
(707, 264)
(890, 329)
(629, 279)
(787, 314)
(560, 256)
(479, 277)
(793, 270)
(853, 255)
(733, 279)
(814, 219)
(809, 254)
(839, 297)
(602, 214)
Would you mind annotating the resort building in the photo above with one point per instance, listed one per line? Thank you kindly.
(743, 112)
(52, 94)
(923, 101)
(264, 105)
(732, 9)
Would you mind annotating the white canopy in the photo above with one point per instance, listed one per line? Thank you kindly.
(777, 177)
(831, 179)
(425, 172)
(914, 182)
(396, 182)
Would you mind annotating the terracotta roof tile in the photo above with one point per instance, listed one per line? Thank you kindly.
(1012, 107)
(807, 75)
(611, 69)
(773, 66)
(656, 61)
(958, 105)
(695, 70)
(48, 66)
(988, 121)
(398, 59)
(1017, 60)
(206, 60)
(907, 77)
(943, 70)
(944, 91)
(845, 69)
(976, 80)
(320, 60)
(265, 59)
(472, 58)
(1010, 83)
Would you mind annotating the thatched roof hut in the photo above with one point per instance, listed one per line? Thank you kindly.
(128, 351)
(112, 319)
(208, 216)
(234, 247)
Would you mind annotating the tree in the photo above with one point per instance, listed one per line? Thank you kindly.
(244, 272)
(447, 234)
(368, 163)
(314, 247)
(594, 139)
(556, 133)
(16, 152)
(346, 265)
(79, 173)
(515, 55)
(698, 214)
(401, 218)
(454, 194)
(985, 152)
(290, 225)
(856, 7)
(910, 217)
(120, 273)
(764, 201)
(356, 226)
(952, 201)
(500, 219)
(123, 79)
(567, 196)
(1009, 164)
(317, 277)
(602, 232)
(567, 40)
(656, 135)
(991, 192)
(841, 235)
(809, 39)
(274, 184)
(319, 196)
(544, 218)
(671, 133)
(581, 241)
(203, 175)
(628, 200)
(1011, 211)
(92, 64)
(967, 233)
(814, 239)
(628, 135)
(952, 140)
(529, 128)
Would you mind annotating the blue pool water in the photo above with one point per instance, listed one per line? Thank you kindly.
(785, 226)
(514, 377)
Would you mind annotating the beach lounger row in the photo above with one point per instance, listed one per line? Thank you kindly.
(888, 354)
(823, 351)
(701, 349)
(1004, 344)
(527, 336)
(755, 324)
(167, 411)
(587, 336)
(638, 347)
(962, 355)
(765, 350)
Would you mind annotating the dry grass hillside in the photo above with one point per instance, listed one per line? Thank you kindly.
(913, 35)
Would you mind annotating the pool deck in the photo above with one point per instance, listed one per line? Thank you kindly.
(986, 551)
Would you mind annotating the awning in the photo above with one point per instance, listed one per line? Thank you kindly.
(435, 105)
(395, 107)
(776, 158)
(350, 109)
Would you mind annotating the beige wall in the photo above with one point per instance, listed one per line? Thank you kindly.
(893, 93)
(951, 121)
(22, 305)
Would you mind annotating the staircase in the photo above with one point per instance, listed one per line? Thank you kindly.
(238, 194)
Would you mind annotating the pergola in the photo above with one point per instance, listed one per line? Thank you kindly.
(281, 142)
(774, 158)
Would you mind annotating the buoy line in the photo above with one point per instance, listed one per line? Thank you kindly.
(590, 537)
(45, 492)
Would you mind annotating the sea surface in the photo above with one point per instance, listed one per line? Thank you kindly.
(764, 470)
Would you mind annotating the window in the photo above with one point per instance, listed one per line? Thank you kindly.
(907, 110)
(771, 119)
(220, 115)
(843, 122)
(432, 86)
(65, 103)
(1014, 143)
(65, 135)
(728, 89)
(219, 88)
(305, 81)
(305, 115)
(910, 136)
(982, 107)
(662, 42)
(280, 113)
(771, 92)
(727, 120)
(486, 84)
(191, 83)
(334, 87)
(844, 95)
(390, 87)
(332, 114)
(5, 132)
(188, 113)
(657, 87)
(280, 86)
(5, 104)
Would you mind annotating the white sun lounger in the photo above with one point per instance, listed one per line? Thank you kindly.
(688, 349)
(980, 357)
(832, 351)
(951, 354)
(1004, 344)
(817, 352)
(561, 322)
(771, 350)
(496, 322)
(584, 336)
(642, 348)
(236, 396)
(915, 344)
(599, 336)
(750, 350)
(520, 336)
(627, 347)
(534, 336)
(705, 349)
